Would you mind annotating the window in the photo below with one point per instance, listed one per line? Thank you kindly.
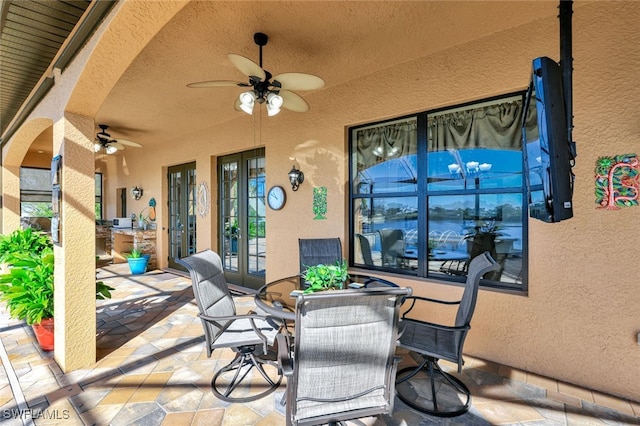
(35, 198)
(431, 191)
(99, 202)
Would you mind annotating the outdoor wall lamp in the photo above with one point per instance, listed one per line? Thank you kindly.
(136, 192)
(296, 177)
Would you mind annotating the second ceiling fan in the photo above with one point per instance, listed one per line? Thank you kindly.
(275, 91)
(109, 144)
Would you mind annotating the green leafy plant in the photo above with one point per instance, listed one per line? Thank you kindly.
(23, 241)
(28, 286)
(326, 277)
(133, 254)
(103, 291)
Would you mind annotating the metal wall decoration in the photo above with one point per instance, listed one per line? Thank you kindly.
(203, 199)
(617, 181)
(320, 203)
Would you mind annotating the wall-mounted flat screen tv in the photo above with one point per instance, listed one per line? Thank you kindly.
(548, 152)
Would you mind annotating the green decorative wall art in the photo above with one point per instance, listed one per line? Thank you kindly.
(617, 181)
(319, 203)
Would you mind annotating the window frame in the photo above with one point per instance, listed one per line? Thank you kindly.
(424, 195)
(99, 201)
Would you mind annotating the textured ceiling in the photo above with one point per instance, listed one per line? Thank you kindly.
(340, 41)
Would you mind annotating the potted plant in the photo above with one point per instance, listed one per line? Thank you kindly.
(325, 277)
(28, 291)
(27, 287)
(482, 238)
(137, 261)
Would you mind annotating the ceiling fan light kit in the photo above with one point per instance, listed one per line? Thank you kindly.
(109, 144)
(276, 91)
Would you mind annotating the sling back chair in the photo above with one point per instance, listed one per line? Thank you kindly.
(249, 335)
(315, 251)
(343, 363)
(427, 387)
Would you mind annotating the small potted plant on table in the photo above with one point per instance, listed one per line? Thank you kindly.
(326, 277)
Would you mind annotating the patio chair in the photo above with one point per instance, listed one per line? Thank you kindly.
(392, 247)
(365, 249)
(249, 335)
(344, 361)
(427, 387)
(314, 251)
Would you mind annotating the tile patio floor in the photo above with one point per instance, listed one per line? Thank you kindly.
(152, 369)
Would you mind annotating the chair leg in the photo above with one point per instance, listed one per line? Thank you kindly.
(241, 367)
(428, 389)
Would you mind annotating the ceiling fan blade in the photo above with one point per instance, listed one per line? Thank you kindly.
(293, 101)
(218, 83)
(299, 81)
(115, 144)
(126, 142)
(247, 66)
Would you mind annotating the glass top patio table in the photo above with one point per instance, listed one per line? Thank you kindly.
(278, 298)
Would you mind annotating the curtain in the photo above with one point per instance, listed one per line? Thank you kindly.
(377, 144)
(496, 126)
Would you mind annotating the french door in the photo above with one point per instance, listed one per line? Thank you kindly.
(182, 212)
(241, 201)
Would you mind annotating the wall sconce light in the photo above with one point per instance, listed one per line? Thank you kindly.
(296, 177)
(136, 192)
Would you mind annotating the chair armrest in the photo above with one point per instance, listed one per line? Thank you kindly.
(284, 355)
(413, 299)
(233, 317)
(250, 317)
(439, 326)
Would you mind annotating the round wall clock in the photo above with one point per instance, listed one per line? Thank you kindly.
(276, 197)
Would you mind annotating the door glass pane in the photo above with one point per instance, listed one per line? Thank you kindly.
(229, 215)
(176, 226)
(256, 216)
(190, 232)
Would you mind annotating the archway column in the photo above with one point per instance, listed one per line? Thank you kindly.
(10, 198)
(75, 264)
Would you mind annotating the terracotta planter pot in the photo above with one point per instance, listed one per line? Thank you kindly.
(44, 333)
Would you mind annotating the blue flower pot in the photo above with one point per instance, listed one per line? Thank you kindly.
(138, 265)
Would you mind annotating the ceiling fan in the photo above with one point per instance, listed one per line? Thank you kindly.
(276, 91)
(109, 144)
